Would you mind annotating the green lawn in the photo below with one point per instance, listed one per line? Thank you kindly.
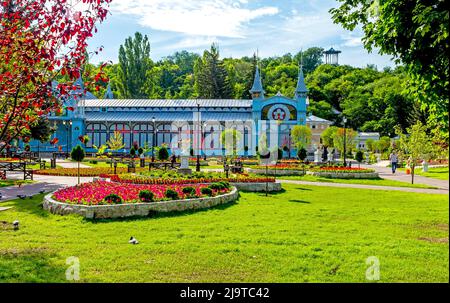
(104, 164)
(437, 173)
(379, 182)
(306, 234)
(6, 183)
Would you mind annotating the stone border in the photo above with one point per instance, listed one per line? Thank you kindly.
(277, 172)
(330, 175)
(258, 187)
(135, 209)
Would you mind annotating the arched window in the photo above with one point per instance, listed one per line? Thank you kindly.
(142, 134)
(97, 134)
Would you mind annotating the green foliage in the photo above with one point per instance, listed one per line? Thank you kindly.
(113, 199)
(163, 153)
(217, 186)
(41, 131)
(115, 141)
(189, 191)
(207, 191)
(338, 139)
(416, 34)
(146, 196)
(230, 139)
(302, 154)
(132, 152)
(77, 153)
(301, 136)
(171, 194)
(328, 136)
(134, 63)
(359, 157)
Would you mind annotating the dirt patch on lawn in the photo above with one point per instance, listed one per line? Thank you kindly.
(434, 240)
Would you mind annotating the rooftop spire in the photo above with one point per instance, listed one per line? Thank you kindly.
(257, 90)
(301, 86)
(109, 94)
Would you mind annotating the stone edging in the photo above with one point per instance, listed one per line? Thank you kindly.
(135, 209)
(258, 187)
(373, 175)
(277, 172)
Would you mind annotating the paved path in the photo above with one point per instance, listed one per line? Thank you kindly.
(386, 173)
(363, 186)
(43, 183)
(68, 164)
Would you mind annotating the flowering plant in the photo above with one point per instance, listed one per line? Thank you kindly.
(340, 169)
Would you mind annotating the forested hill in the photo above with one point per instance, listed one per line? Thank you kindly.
(373, 100)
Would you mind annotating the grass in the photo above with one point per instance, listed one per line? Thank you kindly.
(440, 173)
(306, 234)
(6, 183)
(379, 182)
(104, 164)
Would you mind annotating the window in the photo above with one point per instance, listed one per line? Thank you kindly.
(97, 133)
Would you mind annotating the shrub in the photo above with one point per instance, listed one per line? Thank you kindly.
(207, 191)
(132, 152)
(146, 196)
(302, 154)
(93, 161)
(78, 153)
(189, 191)
(163, 153)
(140, 150)
(217, 186)
(226, 184)
(113, 199)
(359, 156)
(171, 194)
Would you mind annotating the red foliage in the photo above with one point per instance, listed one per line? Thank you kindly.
(40, 39)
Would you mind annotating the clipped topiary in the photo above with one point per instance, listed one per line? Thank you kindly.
(207, 191)
(163, 153)
(146, 196)
(171, 194)
(189, 191)
(217, 186)
(113, 199)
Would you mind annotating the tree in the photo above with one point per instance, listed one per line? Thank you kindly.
(301, 136)
(41, 131)
(211, 78)
(302, 154)
(163, 153)
(312, 58)
(359, 157)
(134, 63)
(78, 155)
(230, 139)
(115, 142)
(371, 145)
(39, 40)
(338, 139)
(383, 144)
(415, 145)
(328, 136)
(414, 33)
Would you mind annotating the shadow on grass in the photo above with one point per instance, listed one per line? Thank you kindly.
(300, 201)
(161, 215)
(29, 265)
(304, 189)
(31, 206)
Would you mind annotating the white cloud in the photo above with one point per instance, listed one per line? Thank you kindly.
(214, 18)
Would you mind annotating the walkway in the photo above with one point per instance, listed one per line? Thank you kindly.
(372, 187)
(386, 173)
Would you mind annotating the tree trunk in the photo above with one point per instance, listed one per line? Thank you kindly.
(412, 173)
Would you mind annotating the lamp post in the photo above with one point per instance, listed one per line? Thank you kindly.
(345, 141)
(289, 150)
(197, 168)
(153, 141)
(67, 124)
(203, 140)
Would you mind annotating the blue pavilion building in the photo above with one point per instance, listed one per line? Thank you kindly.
(173, 122)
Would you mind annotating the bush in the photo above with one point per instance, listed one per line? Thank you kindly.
(163, 153)
(359, 156)
(171, 194)
(226, 184)
(78, 153)
(207, 191)
(93, 161)
(140, 150)
(113, 199)
(132, 152)
(189, 191)
(146, 196)
(217, 186)
(302, 154)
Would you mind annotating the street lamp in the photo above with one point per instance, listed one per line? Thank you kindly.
(197, 168)
(153, 141)
(345, 141)
(289, 149)
(67, 124)
(203, 140)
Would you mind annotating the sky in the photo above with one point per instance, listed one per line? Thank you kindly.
(240, 27)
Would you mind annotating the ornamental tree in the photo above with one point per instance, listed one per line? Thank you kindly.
(78, 155)
(39, 41)
(301, 136)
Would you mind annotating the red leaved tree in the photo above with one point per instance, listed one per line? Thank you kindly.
(40, 40)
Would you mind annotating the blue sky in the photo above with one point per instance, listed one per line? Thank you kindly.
(240, 27)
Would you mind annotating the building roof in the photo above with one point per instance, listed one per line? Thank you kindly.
(316, 119)
(301, 86)
(257, 83)
(164, 117)
(167, 103)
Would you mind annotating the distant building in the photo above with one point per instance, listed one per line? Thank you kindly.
(362, 138)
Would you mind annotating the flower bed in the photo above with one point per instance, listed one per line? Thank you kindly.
(94, 193)
(132, 179)
(343, 173)
(84, 172)
(278, 170)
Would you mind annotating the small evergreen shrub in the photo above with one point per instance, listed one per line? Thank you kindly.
(171, 194)
(113, 199)
(189, 191)
(146, 196)
(163, 153)
(217, 186)
(207, 191)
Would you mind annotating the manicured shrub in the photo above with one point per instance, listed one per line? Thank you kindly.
(207, 191)
(359, 156)
(163, 153)
(226, 184)
(113, 199)
(302, 154)
(217, 186)
(133, 152)
(171, 194)
(140, 150)
(189, 191)
(146, 196)
(93, 161)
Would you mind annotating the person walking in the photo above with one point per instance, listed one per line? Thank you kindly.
(393, 157)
